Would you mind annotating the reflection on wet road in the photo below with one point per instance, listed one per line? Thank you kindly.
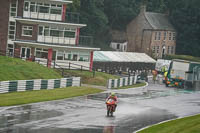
(137, 108)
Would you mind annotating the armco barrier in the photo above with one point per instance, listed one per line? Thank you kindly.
(37, 84)
(125, 81)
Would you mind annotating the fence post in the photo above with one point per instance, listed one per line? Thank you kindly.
(81, 68)
(54, 66)
(47, 62)
(62, 72)
(69, 65)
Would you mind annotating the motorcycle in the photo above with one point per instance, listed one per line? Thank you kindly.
(110, 107)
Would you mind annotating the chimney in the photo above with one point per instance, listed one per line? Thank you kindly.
(142, 9)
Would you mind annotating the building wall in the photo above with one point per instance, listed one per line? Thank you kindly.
(135, 32)
(20, 8)
(146, 42)
(4, 18)
(19, 32)
(163, 42)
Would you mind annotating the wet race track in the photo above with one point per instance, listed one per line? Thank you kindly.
(137, 108)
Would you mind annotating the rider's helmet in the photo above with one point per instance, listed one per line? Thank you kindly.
(113, 94)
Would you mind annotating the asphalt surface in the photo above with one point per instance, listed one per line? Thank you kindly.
(137, 108)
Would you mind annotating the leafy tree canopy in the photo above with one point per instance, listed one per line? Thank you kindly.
(101, 16)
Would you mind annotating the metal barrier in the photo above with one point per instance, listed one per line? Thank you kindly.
(38, 84)
(125, 81)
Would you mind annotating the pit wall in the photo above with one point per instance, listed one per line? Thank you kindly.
(38, 84)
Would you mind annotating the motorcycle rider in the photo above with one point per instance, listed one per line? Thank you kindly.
(113, 97)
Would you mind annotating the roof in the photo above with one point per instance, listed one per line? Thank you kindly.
(159, 21)
(50, 22)
(112, 56)
(51, 45)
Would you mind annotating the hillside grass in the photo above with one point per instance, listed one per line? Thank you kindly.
(100, 78)
(185, 125)
(183, 57)
(18, 98)
(17, 69)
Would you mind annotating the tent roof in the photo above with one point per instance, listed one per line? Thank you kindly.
(112, 56)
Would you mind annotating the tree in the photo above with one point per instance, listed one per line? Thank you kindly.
(120, 13)
(185, 16)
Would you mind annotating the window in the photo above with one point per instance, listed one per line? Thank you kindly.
(10, 49)
(11, 33)
(172, 49)
(41, 53)
(68, 56)
(69, 34)
(60, 55)
(41, 28)
(165, 35)
(43, 8)
(13, 9)
(168, 50)
(118, 46)
(158, 49)
(84, 56)
(56, 9)
(46, 31)
(153, 49)
(174, 35)
(33, 7)
(159, 34)
(26, 6)
(75, 57)
(56, 33)
(170, 36)
(27, 31)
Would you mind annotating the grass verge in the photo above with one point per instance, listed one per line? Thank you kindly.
(87, 77)
(133, 86)
(18, 98)
(183, 57)
(17, 69)
(184, 125)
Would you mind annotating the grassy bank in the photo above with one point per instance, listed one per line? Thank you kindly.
(17, 69)
(87, 77)
(18, 98)
(133, 86)
(183, 57)
(185, 125)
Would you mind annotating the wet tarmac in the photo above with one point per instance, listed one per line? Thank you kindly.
(137, 108)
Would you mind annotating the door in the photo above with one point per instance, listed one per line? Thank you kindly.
(25, 52)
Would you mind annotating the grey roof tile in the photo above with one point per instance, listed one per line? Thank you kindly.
(159, 21)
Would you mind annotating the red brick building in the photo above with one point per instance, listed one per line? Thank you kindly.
(43, 29)
(151, 33)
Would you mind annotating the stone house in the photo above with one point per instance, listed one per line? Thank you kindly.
(151, 33)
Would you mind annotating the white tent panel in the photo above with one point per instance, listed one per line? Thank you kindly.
(122, 57)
